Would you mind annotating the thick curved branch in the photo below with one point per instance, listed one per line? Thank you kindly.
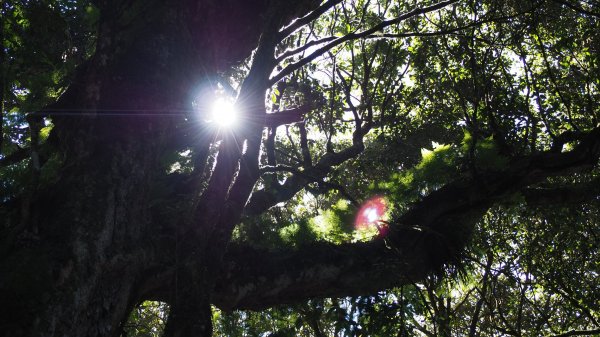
(563, 195)
(578, 333)
(255, 279)
(286, 117)
(566, 137)
(432, 233)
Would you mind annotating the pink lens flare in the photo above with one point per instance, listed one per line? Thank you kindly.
(371, 214)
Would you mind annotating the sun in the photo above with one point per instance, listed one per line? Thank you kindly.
(224, 113)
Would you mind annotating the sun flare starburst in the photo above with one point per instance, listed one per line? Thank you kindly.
(224, 113)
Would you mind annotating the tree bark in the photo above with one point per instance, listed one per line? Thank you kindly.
(110, 226)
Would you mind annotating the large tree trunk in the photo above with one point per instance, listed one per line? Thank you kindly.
(82, 251)
(88, 243)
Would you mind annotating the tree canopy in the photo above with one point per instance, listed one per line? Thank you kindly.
(396, 168)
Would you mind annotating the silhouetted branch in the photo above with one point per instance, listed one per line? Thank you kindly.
(284, 117)
(353, 36)
(306, 156)
(263, 199)
(564, 195)
(255, 279)
(304, 47)
(577, 8)
(577, 333)
(310, 17)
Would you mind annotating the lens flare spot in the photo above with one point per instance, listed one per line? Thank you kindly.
(371, 213)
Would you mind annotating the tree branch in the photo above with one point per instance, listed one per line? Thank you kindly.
(306, 156)
(377, 35)
(577, 8)
(264, 199)
(432, 233)
(353, 36)
(577, 333)
(255, 279)
(289, 52)
(565, 195)
(284, 117)
(310, 17)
